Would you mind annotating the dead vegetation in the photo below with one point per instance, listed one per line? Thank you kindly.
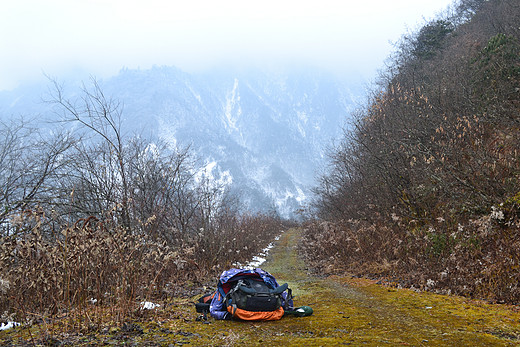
(95, 273)
(424, 186)
(479, 259)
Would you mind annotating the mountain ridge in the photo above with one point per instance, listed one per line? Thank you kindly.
(268, 131)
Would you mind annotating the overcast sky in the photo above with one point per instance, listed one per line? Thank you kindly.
(58, 37)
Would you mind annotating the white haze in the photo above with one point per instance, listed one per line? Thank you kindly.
(99, 37)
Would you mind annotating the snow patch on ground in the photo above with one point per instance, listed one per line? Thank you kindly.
(8, 325)
(257, 259)
(167, 132)
(301, 130)
(281, 198)
(195, 94)
(209, 171)
(147, 305)
(302, 115)
(301, 197)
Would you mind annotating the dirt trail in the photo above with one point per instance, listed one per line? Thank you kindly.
(346, 312)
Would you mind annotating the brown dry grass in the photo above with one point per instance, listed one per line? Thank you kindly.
(95, 273)
(476, 259)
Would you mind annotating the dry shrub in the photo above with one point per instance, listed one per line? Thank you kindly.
(235, 239)
(352, 246)
(90, 262)
(478, 258)
(484, 262)
(96, 272)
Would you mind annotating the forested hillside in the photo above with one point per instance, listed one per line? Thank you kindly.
(425, 190)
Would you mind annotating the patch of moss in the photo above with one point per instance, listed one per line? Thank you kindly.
(511, 207)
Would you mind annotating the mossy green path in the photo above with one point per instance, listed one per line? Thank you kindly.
(355, 311)
(347, 311)
(359, 311)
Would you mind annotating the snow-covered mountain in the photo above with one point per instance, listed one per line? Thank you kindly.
(263, 133)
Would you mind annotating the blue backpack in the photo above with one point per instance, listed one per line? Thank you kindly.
(247, 294)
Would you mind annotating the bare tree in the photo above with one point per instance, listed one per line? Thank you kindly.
(152, 187)
(162, 192)
(29, 165)
(101, 116)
